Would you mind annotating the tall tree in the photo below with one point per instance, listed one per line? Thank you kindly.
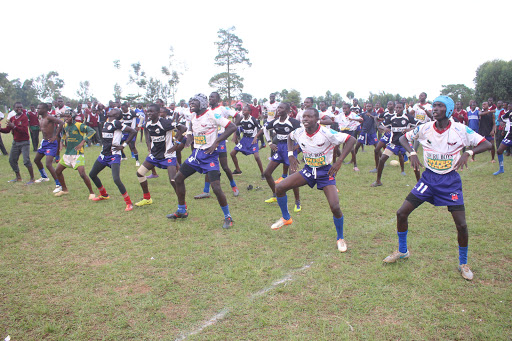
(231, 55)
(458, 92)
(494, 79)
(245, 97)
(49, 86)
(173, 71)
(83, 92)
(118, 90)
(350, 95)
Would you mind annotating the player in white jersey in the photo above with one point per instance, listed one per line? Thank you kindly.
(217, 108)
(270, 108)
(203, 130)
(422, 112)
(317, 144)
(440, 183)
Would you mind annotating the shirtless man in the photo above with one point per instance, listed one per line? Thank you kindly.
(51, 128)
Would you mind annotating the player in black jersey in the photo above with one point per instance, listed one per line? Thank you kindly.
(399, 124)
(162, 149)
(282, 125)
(248, 145)
(507, 140)
(110, 155)
(385, 130)
(130, 119)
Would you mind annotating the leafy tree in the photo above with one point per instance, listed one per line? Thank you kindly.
(350, 95)
(494, 79)
(231, 54)
(48, 87)
(459, 92)
(293, 96)
(245, 97)
(173, 72)
(7, 90)
(284, 94)
(117, 92)
(83, 92)
(227, 85)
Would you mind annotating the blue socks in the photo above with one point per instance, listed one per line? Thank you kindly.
(182, 208)
(136, 156)
(43, 173)
(284, 176)
(283, 205)
(463, 255)
(232, 183)
(206, 187)
(402, 241)
(500, 160)
(405, 158)
(57, 182)
(338, 223)
(225, 210)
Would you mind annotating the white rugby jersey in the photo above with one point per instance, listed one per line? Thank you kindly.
(318, 148)
(441, 149)
(224, 112)
(270, 110)
(205, 127)
(419, 114)
(344, 123)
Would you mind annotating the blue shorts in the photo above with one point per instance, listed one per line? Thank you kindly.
(281, 156)
(489, 138)
(319, 176)
(125, 137)
(506, 141)
(385, 138)
(396, 149)
(367, 138)
(246, 146)
(49, 148)
(161, 163)
(202, 162)
(439, 189)
(109, 160)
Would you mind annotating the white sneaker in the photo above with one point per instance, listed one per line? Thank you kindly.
(396, 256)
(41, 180)
(465, 272)
(123, 159)
(342, 246)
(57, 189)
(137, 163)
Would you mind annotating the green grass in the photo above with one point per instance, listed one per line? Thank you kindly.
(75, 269)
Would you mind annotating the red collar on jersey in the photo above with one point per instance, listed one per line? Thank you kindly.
(311, 135)
(445, 129)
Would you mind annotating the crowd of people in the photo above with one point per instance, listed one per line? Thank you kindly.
(325, 135)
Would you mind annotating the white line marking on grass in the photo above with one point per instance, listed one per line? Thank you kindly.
(222, 314)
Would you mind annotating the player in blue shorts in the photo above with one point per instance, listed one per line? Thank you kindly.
(159, 131)
(51, 127)
(202, 131)
(317, 144)
(248, 145)
(398, 124)
(368, 134)
(283, 125)
(130, 120)
(110, 156)
(384, 129)
(440, 184)
(507, 140)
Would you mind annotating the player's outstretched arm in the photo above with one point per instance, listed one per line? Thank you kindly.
(480, 148)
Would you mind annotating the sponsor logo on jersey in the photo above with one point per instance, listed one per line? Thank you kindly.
(469, 130)
(217, 116)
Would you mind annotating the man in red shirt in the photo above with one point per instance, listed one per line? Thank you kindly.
(256, 113)
(18, 124)
(33, 126)
(459, 114)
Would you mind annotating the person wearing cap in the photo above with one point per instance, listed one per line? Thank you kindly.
(440, 184)
(202, 129)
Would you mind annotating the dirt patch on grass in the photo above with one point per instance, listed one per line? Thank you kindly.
(176, 311)
(135, 289)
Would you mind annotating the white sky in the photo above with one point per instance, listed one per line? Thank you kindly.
(398, 46)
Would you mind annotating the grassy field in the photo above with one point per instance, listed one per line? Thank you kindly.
(72, 269)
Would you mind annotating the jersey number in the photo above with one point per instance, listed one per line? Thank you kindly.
(422, 188)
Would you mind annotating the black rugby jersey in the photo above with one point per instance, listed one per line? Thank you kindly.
(282, 129)
(111, 134)
(160, 135)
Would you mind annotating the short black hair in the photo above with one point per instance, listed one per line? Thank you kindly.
(45, 106)
(154, 105)
(314, 110)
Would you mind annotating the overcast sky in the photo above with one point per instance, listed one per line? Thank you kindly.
(401, 47)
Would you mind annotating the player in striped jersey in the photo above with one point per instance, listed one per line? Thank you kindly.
(110, 156)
